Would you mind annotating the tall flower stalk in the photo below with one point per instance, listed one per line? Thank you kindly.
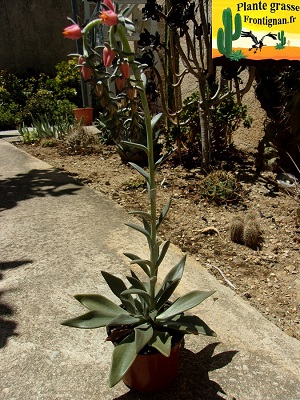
(145, 317)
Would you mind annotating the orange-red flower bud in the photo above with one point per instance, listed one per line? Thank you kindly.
(86, 70)
(124, 68)
(103, 101)
(111, 108)
(108, 56)
(72, 32)
(134, 107)
(131, 92)
(109, 18)
(120, 82)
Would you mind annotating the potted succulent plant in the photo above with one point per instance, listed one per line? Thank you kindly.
(145, 321)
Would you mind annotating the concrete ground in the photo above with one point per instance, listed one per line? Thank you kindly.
(56, 236)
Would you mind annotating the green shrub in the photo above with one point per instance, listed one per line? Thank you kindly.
(24, 99)
(67, 83)
(225, 118)
(12, 85)
(9, 116)
(43, 102)
(29, 135)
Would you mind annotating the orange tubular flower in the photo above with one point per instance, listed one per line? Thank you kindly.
(124, 68)
(109, 4)
(109, 18)
(86, 70)
(108, 56)
(72, 32)
(120, 83)
(131, 93)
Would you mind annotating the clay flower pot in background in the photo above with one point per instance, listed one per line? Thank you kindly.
(84, 115)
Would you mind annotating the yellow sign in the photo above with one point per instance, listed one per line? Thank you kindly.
(259, 30)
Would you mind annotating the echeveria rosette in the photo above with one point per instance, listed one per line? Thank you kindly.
(147, 326)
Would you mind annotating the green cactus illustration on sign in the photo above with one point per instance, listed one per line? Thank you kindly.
(225, 36)
(282, 38)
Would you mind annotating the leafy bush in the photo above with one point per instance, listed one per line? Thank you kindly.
(13, 86)
(22, 100)
(43, 102)
(225, 118)
(8, 115)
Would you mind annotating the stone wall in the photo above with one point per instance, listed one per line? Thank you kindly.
(32, 38)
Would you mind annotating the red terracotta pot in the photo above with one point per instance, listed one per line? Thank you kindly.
(84, 115)
(153, 372)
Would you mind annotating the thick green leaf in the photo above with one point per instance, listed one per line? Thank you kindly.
(177, 271)
(163, 158)
(163, 213)
(161, 341)
(143, 334)
(117, 286)
(175, 274)
(128, 303)
(155, 119)
(134, 275)
(140, 170)
(124, 10)
(144, 79)
(146, 225)
(137, 260)
(165, 295)
(162, 253)
(137, 87)
(137, 145)
(144, 264)
(189, 324)
(123, 356)
(139, 305)
(125, 319)
(184, 303)
(99, 303)
(90, 320)
(141, 213)
(129, 25)
(136, 283)
(139, 229)
(139, 292)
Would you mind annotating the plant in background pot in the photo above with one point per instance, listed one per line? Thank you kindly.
(145, 321)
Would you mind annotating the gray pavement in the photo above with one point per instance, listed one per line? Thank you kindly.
(11, 135)
(56, 236)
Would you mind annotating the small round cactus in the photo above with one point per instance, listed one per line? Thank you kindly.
(252, 236)
(237, 230)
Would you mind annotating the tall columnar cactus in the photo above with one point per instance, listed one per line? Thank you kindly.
(225, 36)
(282, 39)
